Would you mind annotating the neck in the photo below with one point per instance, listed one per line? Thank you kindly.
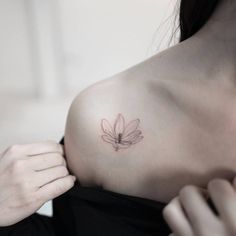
(216, 43)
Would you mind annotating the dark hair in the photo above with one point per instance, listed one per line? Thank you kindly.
(193, 14)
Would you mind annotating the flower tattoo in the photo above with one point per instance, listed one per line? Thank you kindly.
(121, 135)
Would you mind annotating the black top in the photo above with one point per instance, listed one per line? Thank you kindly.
(85, 211)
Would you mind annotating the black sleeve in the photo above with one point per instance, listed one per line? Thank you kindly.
(62, 141)
(34, 225)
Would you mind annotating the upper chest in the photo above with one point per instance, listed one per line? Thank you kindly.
(189, 138)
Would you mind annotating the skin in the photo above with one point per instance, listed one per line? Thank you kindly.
(31, 175)
(184, 138)
(184, 98)
(190, 215)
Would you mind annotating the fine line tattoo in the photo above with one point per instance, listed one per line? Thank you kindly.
(121, 135)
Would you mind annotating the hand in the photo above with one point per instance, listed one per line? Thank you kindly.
(31, 175)
(190, 215)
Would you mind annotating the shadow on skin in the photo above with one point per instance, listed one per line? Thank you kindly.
(171, 185)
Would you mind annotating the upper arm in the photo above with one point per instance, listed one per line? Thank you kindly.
(107, 131)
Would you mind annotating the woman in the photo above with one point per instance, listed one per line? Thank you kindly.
(135, 139)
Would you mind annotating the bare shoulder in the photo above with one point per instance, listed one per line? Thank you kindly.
(112, 131)
(148, 137)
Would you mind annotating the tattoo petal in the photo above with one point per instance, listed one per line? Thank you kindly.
(131, 126)
(124, 145)
(106, 127)
(108, 139)
(137, 139)
(132, 135)
(119, 125)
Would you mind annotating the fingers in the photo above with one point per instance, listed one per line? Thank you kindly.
(224, 198)
(44, 148)
(46, 176)
(28, 150)
(199, 217)
(55, 188)
(41, 162)
(195, 206)
(176, 219)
